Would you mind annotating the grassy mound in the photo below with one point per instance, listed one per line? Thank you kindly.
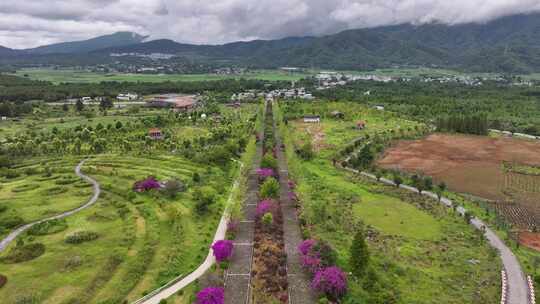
(24, 253)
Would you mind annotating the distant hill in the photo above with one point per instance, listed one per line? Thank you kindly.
(508, 44)
(118, 39)
(4, 51)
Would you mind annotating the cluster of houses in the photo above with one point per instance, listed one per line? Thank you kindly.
(328, 80)
(294, 93)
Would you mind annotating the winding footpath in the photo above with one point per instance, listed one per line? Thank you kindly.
(518, 292)
(181, 282)
(97, 190)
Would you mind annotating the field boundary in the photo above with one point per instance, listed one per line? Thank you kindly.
(96, 192)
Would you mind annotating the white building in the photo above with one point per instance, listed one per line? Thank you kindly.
(312, 119)
(127, 97)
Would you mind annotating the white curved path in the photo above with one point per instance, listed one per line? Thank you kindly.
(13, 235)
(518, 292)
(179, 283)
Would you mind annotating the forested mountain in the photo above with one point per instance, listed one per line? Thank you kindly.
(509, 44)
(115, 40)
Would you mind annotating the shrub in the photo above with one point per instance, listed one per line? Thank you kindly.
(222, 250)
(3, 208)
(56, 190)
(211, 295)
(49, 227)
(305, 246)
(173, 187)
(78, 237)
(269, 189)
(306, 151)
(163, 301)
(264, 173)
(9, 222)
(72, 263)
(23, 253)
(268, 219)
(24, 188)
(204, 197)
(269, 161)
(331, 281)
(3, 280)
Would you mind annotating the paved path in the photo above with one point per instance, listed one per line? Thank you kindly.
(300, 291)
(8, 239)
(179, 283)
(517, 284)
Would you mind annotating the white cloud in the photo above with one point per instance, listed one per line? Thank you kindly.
(31, 23)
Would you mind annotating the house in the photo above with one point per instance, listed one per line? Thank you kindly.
(360, 125)
(184, 105)
(86, 99)
(312, 119)
(127, 97)
(337, 115)
(3, 118)
(155, 134)
(380, 108)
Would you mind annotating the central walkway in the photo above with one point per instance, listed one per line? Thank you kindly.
(238, 276)
(300, 291)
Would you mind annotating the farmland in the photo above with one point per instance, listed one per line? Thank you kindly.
(78, 76)
(468, 164)
(401, 227)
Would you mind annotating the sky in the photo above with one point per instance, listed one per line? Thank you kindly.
(31, 23)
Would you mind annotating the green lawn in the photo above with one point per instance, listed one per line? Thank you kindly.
(76, 76)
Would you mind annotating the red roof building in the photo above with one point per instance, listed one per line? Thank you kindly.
(155, 134)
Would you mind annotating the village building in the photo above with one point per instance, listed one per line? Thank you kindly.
(337, 115)
(127, 97)
(155, 134)
(312, 119)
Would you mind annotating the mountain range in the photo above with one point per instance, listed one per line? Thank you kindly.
(508, 44)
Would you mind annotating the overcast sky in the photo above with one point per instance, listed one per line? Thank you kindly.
(30, 23)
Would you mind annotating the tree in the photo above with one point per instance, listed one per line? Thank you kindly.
(79, 106)
(378, 174)
(439, 190)
(359, 254)
(397, 180)
(428, 183)
(173, 187)
(204, 198)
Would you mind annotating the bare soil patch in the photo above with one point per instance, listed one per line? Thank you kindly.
(466, 163)
(530, 239)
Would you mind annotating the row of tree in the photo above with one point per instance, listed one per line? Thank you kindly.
(469, 124)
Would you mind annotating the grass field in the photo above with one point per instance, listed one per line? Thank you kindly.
(144, 239)
(76, 76)
(420, 251)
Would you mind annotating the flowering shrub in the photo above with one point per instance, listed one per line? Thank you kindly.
(331, 281)
(211, 295)
(305, 246)
(265, 206)
(292, 184)
(147, 184)
(265, 173)
(292, 196)
(311, 262)
(222, 250)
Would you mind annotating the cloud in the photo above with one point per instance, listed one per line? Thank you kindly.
(31, 23)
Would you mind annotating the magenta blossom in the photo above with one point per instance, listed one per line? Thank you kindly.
(265, 173)
(305, 246)
(147, 184)
(223, 250)
(264, 207)
(292, 184)
(331, 281)
(311, 262)
(211, 295)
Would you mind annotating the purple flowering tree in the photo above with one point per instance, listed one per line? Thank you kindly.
(147, 184)
(223, 250)
(211, 295)
(331, 281)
